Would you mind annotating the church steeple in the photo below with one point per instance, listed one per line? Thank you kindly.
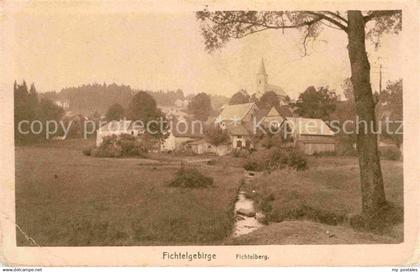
(261, 79)
(261, 71)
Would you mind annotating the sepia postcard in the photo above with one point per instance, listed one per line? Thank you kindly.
(219, 133)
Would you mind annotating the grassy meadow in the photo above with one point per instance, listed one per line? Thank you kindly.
(64, 198)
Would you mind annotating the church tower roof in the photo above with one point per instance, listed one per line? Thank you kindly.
(262, 68)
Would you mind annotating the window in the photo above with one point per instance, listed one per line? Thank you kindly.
(239, 137)
(132, 132)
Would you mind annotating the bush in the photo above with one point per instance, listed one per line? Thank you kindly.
(212, 162)
(124, 145)
(297, 161)
(87, 151)
(392, 153)
(190, 178)
(107, 152)
(275, 158)
(251, 165)
(240, 153)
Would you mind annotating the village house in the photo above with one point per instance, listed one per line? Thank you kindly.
(180, 132)
(201, 146)
(117, 128)
(239, 121)
(311, 136)
(272, 118)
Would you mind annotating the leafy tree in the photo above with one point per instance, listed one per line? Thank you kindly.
(216, 135)
(28, 108)
(49, 111)
(313, 103)
(240, 97)
(391, 107)
(115, 112)
(200, 107)
(218, 27)
(269, 100)
(33, 100)
(143, 108)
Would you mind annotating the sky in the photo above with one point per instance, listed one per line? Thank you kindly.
(57, 45)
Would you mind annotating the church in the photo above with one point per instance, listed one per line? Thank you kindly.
(263, 86)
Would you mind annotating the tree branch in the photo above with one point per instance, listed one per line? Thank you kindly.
(329, 19)
(337, 15)
(380, 13)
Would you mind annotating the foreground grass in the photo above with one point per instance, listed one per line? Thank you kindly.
(329, 193)
(66, 199)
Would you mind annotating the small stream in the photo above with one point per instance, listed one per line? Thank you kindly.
(245, 216)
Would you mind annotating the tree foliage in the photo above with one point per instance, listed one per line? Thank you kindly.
(115, 112)
(90, 98)
(27, 107)
(268, 100)
(313, 103)
(390, 108)
(216, 135)
(240, 97)
(143, 108)
(200, 107)
(219, 27)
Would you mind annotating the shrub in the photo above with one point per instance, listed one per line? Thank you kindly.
(190, 178)
(297, 161)
(275, 158)
(107, 152)
(124, 145)
(240, 153)
(87, 151)
(212, 162)
(251, 165)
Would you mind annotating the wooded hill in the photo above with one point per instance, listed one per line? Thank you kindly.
(91, 98)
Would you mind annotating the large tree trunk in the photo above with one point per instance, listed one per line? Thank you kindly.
(373, 195)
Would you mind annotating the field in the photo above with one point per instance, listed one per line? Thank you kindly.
(64, 198)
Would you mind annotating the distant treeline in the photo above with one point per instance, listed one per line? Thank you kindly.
(91, 98)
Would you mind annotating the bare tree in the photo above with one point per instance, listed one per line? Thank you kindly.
(218, 27)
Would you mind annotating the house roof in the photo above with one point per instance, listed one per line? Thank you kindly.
(121, 125)
(273, 112)
(197, 142)
(235, 112)
(187, 128)
(309, 126)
